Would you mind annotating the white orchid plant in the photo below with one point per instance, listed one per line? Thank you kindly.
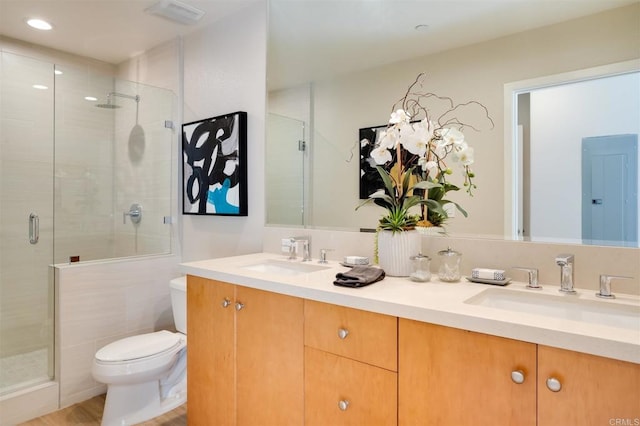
(411, 156)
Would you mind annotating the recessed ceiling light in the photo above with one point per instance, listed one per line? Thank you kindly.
(40, 86)
(422, 27)
(90, 98)
(39, 24)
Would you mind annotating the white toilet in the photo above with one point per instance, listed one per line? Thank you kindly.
(146, 375)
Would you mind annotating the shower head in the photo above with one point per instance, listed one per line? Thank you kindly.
(108, 105)
(111, 95)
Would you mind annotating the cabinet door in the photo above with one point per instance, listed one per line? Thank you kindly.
(448, 376)
(269, 355)
(594, 390)
(210, 353)
(341, 391)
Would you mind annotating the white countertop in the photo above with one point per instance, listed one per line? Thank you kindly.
(436, 302)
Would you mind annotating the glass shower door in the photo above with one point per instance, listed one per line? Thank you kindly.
(26, 222)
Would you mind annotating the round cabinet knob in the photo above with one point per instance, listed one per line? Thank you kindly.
(554, 384)
(517, 376)
(226, 302)
(343, 405)
(239, 306)
(343, 333)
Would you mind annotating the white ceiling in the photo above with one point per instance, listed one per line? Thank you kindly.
(307, 38)
(108, 30)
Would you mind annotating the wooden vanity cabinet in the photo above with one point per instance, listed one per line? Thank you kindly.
(449, 376)
(244, 357)
(350, 366)
(260, 358)
(211, 387)
(594, 390)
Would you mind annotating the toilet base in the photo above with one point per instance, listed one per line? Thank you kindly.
(135, 403)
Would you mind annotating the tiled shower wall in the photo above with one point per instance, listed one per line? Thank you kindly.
(102, 302)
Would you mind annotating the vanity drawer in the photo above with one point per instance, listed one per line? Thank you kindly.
(341, 391)
(364, 336)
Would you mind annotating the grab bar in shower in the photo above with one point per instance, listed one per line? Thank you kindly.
(34, 228)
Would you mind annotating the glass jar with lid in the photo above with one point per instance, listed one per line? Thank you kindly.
(449, 269)
(421, 268)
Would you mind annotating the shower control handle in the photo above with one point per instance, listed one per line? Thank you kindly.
(135, 213)
(34, 228)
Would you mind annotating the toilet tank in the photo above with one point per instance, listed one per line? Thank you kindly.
(178, 288)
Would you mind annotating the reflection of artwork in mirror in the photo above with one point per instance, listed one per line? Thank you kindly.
(215, 165)
(370, 180)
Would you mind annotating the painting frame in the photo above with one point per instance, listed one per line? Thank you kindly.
(214, 166)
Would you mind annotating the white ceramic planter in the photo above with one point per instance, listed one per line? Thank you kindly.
(395, 251)
(433, 231)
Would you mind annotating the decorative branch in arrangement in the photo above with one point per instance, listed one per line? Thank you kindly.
(411, 155)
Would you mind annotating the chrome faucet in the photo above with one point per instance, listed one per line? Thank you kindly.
(306, 248)
(565, 261)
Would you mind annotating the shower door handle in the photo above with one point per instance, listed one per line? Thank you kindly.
(34, 228)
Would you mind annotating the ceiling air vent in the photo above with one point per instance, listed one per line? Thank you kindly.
(176, 11)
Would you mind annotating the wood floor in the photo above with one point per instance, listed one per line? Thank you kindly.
(89, 413)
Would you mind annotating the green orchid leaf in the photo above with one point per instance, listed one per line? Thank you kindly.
(458, 206)
(425, 184)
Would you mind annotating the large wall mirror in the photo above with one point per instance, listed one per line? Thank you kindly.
(337, 67)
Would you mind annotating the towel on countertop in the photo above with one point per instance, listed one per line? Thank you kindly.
(359, 276)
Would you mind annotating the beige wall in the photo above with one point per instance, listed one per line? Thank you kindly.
(225, 68)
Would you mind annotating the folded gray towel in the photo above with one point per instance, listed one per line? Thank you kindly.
(359, 276)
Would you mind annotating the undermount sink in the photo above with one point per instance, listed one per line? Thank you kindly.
(282, 267)
(561, 306)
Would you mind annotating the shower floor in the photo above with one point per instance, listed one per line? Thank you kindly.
(23, 370)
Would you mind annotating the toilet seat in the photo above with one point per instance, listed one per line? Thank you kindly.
(138, 347)
(163, 349)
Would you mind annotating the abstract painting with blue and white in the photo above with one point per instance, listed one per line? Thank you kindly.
(213, 155)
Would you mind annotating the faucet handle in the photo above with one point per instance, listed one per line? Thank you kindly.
(533, 277)
(323, 255)
(605, 285)
(292, 246)
(564, 258)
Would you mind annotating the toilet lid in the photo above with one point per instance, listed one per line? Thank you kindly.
(140, 346)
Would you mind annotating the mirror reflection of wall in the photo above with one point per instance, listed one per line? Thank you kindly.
(343, 103)
(602, 108)
(285, 184)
